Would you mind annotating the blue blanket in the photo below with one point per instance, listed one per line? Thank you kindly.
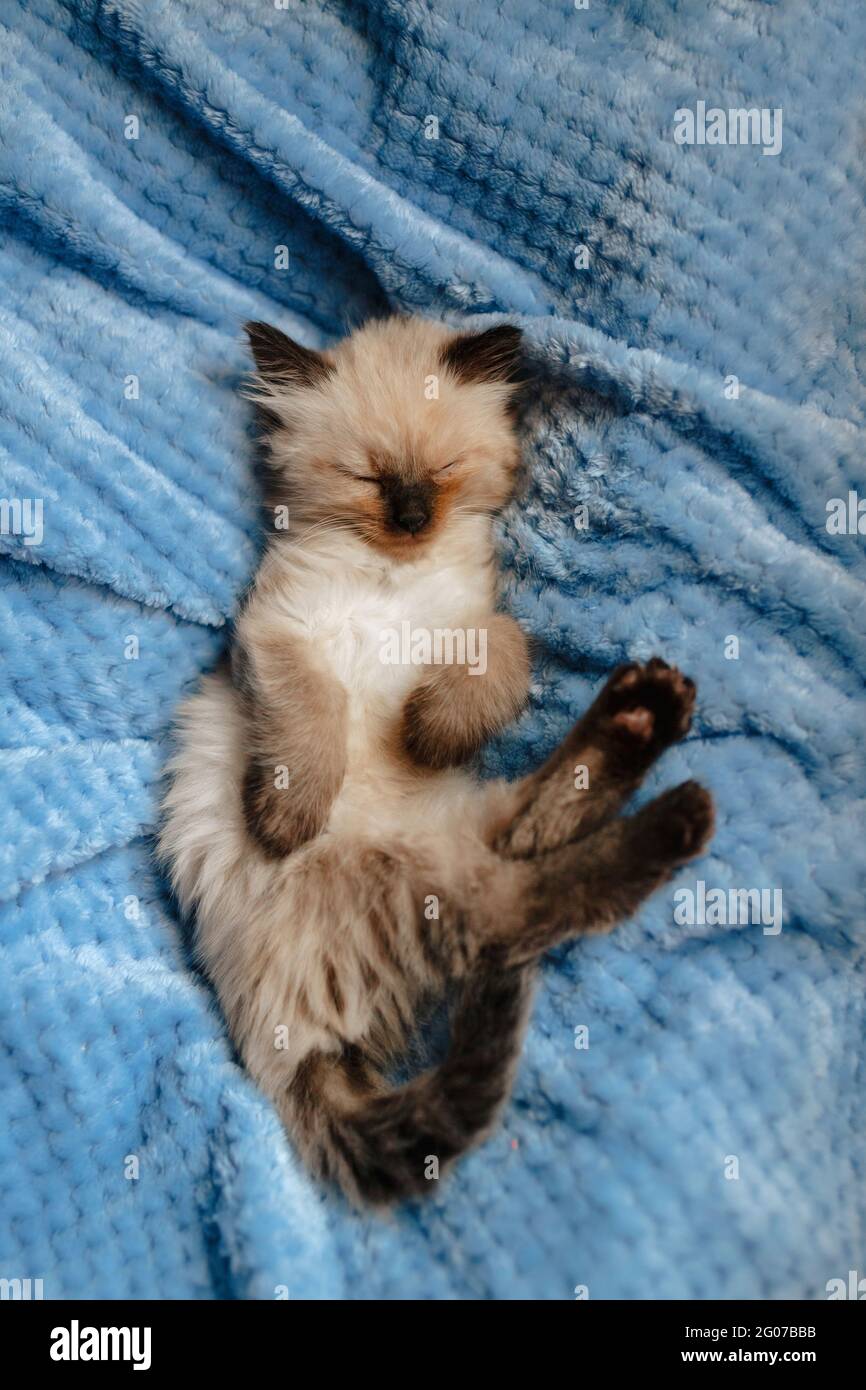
(688, 1118)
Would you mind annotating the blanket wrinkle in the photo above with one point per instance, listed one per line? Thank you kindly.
(694, 317)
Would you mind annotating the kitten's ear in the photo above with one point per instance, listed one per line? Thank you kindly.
(490, 356)
(283, 362)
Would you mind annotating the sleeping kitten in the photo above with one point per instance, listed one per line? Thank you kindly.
(344, 868)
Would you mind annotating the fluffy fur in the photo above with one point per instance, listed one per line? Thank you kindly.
(344, 867)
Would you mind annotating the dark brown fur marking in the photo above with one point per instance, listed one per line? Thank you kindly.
(278, 357)
(640, 712)
(382, 942)
(334, 991)
(368, 975)
(379, 1141)
(590, 885)
(490, 356)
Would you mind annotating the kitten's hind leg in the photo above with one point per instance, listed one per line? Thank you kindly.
(640, 712)
(589, 886)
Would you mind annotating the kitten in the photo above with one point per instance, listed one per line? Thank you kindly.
(344, 868)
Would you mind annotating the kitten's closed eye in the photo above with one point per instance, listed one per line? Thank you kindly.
(381, 480)
(351, 476)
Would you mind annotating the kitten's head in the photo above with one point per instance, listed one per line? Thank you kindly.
(395, 433)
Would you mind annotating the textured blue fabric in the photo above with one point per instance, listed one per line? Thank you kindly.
(128, 266)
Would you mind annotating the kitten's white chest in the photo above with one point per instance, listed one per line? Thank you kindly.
(361, 619)
(359, 628)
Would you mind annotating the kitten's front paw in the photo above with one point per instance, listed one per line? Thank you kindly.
(434, 732)
(457, 707)
(648, 706)
(277, 818)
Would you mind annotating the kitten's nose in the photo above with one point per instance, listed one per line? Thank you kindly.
(409, 509)
(413, 519)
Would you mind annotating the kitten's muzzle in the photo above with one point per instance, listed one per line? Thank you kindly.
(408, 506)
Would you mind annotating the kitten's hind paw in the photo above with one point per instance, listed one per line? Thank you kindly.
(648, 706)
(678, 825)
